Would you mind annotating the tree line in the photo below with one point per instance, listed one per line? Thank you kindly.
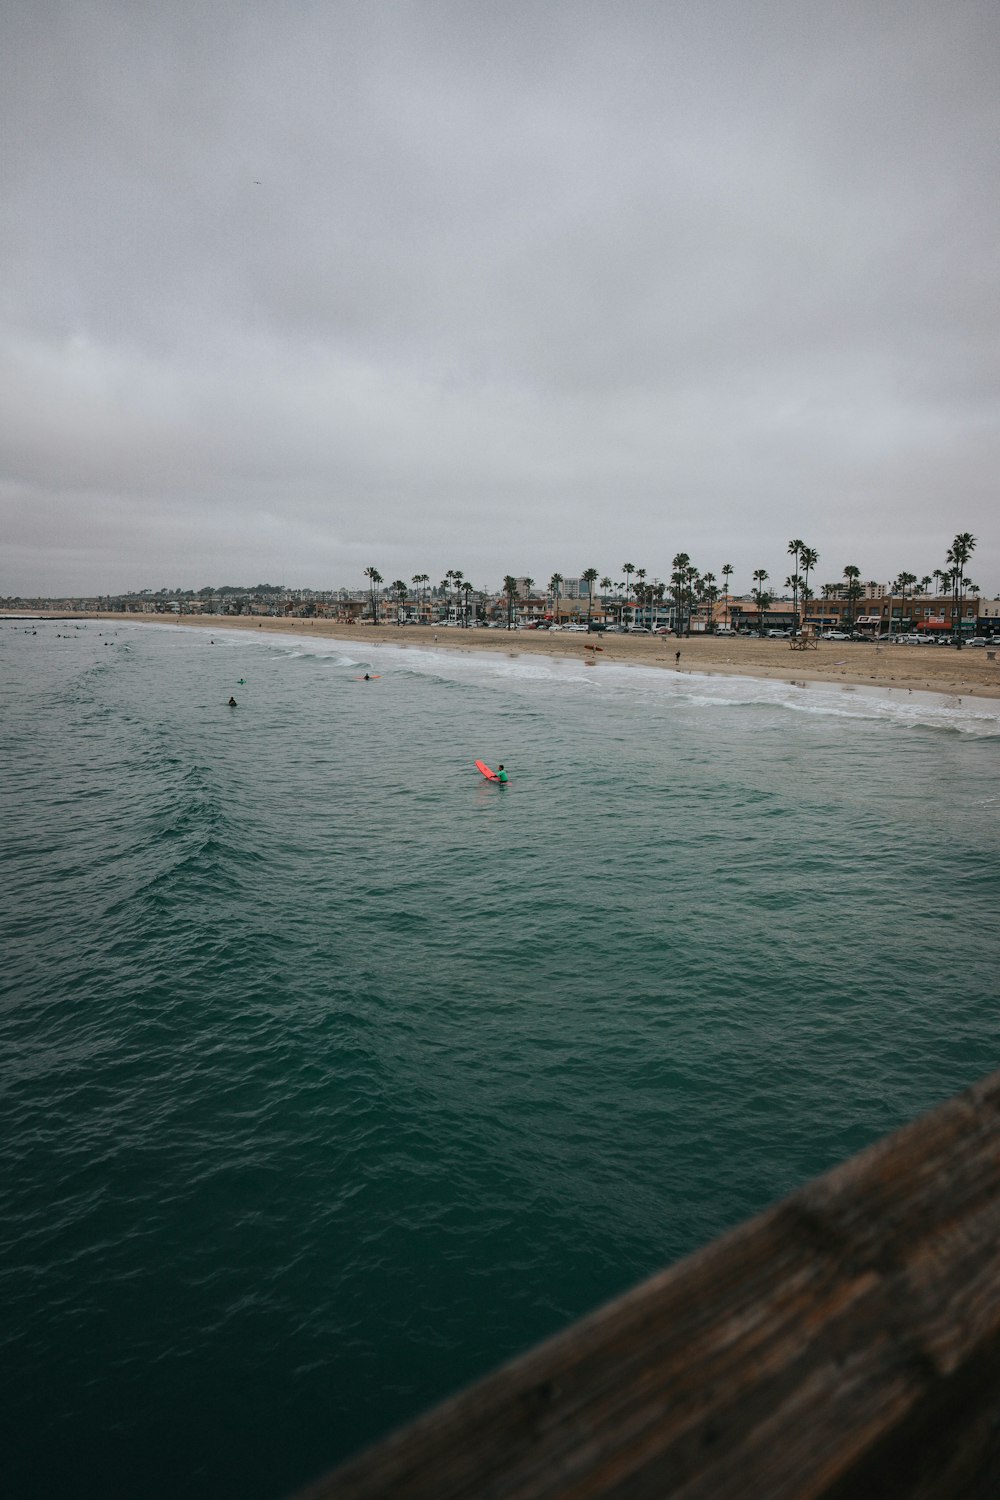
(688, 588)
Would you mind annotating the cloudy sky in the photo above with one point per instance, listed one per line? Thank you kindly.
(296, 287)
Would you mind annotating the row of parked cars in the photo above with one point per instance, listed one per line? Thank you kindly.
(913, 638)
(943, 638)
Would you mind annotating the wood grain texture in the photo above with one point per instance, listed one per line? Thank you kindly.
(845, 1343)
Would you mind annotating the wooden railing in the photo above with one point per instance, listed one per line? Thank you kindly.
(844, 1344)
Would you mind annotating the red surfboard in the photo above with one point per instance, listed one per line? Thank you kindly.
(490, 775)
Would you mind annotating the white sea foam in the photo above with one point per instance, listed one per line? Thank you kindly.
(699, 691)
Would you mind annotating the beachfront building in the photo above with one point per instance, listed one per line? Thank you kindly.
(706, 615)
(830, 614)
(745, 616)
(922, 614)
(882, 612)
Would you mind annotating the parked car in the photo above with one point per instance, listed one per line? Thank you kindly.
(778, 635)
(836, 635)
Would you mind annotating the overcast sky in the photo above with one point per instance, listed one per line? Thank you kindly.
(293, 288)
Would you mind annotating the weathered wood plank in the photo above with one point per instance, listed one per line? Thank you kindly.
(844, 1343)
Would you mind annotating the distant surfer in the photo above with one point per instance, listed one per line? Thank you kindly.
(501, 773)
(233, 703)
(367, 677)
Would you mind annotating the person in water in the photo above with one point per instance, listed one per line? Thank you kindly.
(501, 774)
(233, 703)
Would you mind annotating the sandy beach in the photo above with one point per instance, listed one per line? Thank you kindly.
(930, 669)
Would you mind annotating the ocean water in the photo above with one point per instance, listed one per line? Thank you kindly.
(333, 1075)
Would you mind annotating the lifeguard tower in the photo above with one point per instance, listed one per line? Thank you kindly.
(806, 640)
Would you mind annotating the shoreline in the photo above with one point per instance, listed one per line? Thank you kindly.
(928, 669)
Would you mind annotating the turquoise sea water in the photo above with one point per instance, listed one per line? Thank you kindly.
(334, 1075)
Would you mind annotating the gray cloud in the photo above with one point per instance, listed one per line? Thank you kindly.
(295, 289)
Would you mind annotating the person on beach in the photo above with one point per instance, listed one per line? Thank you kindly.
(501, 773)
(677, 658)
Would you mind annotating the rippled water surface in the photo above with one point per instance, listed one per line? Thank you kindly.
(334, 1075)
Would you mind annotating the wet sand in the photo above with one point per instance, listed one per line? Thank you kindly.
(930, 669)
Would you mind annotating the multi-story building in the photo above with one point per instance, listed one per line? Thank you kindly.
(925, 614)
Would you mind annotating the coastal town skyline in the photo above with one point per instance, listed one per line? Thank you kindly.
(291, 291)
(786, 580)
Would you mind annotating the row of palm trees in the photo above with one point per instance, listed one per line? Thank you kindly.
(400, 590)
(950, 579)
(687, 588)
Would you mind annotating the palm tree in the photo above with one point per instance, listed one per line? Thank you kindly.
(709, 594)
(727, 571)
(628, 569)
(805, 594)
(555, 589)
(900, 585)
(958, 554)
(400, 588)
(640, 585)
(677, 591)
(374, 579)
(680, 582)
(456, 578)
(761, 596)
(466, 590)
(605, 585)
(808, 558)
(510, 589)
(421, 580)
(794, 548)
(853, 590)
(691, 581)
(589, 576)
(794, 582)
